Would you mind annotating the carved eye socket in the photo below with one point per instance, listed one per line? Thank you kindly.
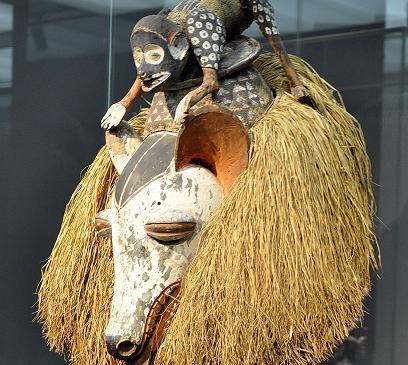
(169, 232)
(138, 56)
(154, 54)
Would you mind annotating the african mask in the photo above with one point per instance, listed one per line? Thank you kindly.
(160, 51)
(169, 187)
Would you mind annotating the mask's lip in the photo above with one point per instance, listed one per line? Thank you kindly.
(158, 319)
(152, 81)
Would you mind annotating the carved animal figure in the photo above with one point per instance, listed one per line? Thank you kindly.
(162, 45)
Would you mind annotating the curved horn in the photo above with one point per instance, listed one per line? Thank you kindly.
(122, 143)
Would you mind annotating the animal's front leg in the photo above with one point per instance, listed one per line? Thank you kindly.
(117, 111)
(209, 86)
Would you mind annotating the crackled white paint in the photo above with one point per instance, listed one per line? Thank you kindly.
(144, 266)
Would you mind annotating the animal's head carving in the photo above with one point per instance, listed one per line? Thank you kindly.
(168, 189)
(160, 50)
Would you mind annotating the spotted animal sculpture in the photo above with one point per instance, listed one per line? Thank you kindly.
(195, 32)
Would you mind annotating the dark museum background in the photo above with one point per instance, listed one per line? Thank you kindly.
(62, 62)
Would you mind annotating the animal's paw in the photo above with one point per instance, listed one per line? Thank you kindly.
(299, 92)
(183, 109)
(113, 116)
(302, 95)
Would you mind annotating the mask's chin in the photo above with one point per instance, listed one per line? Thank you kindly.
(151, 82)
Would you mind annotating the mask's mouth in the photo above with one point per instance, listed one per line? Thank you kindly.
(152, 81)
(157, 321)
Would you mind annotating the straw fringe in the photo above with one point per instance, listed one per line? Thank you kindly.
(282, 268)
(284, 264)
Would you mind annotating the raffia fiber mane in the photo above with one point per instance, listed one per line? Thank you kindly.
(282, 268)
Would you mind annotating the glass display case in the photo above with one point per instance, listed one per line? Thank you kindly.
(62, 62)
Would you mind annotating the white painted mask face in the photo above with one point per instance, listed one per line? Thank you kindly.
(151, 193)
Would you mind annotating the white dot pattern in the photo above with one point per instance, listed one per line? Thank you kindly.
(263, 14)
(204, 34)
(204, 59)
(207, 34)
(206, 45)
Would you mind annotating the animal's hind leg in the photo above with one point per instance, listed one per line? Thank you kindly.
(207, 35)
(263, 13)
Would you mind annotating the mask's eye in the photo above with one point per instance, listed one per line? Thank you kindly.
(138, 56)
(154, 54)
(169, 232)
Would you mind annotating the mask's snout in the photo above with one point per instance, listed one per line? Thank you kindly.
(121, 348)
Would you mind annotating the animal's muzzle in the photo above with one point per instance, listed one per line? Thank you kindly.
(122, 348)
(157, 321)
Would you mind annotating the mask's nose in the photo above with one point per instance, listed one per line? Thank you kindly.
(142, 75)
(121, 348)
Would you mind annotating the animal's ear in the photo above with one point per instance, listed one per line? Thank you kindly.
(179, 46)
(103, 223)
(122, 143)
(215, 138)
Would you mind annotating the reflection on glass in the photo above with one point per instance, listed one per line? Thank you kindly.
(6, 17)
(323, 15)
(61, 29)
(6, 51)
(393, 57)
(396, 13)
(6, 67)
